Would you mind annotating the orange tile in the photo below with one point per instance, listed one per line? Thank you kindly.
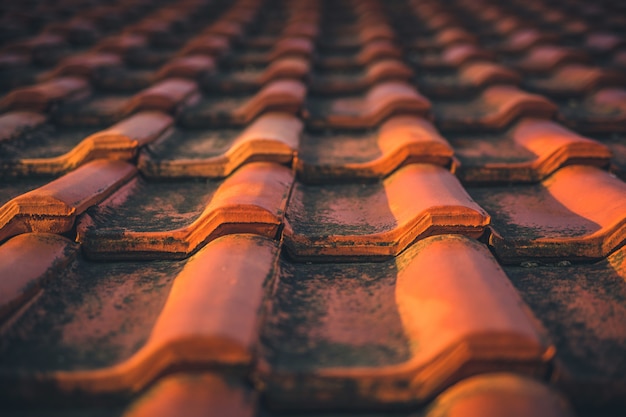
(172, 220)
(25, 262)
(545, 58)
(529, 151)
(53, 207)
(168, 96)
(379, 220)
(453, 57)
(207, 44)
(494, 109)
(42, 96)
(209, 317)
(370, 335)
(119, 142)
(582, 307)
(278, 96)
(194, 395)
(379, 103)
(273, 137)
(331, 82)
(85, 65)
(123, 44)
(370, 52)
(522, 40)
(13, 124)
(328, 158)
(550, 221)
(495, 395)
(192, 67)
(602, 111)
(576, 80)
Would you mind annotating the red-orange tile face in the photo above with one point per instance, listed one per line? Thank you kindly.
(389, 328)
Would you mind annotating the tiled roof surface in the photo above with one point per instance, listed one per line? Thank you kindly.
(331, 207)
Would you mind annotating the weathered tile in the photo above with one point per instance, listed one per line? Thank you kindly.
(335, 82)
(339, 157)
(192, 67)
(369, 53)
(52, 150)
(52, 208)
(170, 220)
(278, 96)
(452, 57)
(195, 395)
(26, 262)
(366, 111)
(542, 59)
(493, 109)
(576, 80)
(583, 307)
(501, 394)
(216, 153)
(43, 96)
(369, 335)
(113, 328)
(603, 111)
(529, 151)
(551, 221)
(379, 220)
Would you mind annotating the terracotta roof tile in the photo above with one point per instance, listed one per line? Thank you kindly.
(136, 222)
(545, 58)
(273, 137)
(358, 156)
(42, 97)
(603, 110)
(192, 67)
(370, 52)
(495, 395)
(53, 207)
(493, 109)
(576, 80)
(528, 151)
(380, 102)
(372, 334)
(379, 220)
(550, 220)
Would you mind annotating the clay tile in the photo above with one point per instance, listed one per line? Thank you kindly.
(136, 131)
(26, 261)
(496, 107)
(536, 221)
(301, 30)
(399, 140)
(13, 124)
(495, 395)
(387, 69)
(85, 65)
(251, 200)
(191, 66)
(273, 137)
(373, 33)
(454, 35)
(290, 67)
(322, 221)
(29, 46)
(604, 42)
(544, 58)
(380, 102)
(42, 96)
(451, 316)
(485, 73)
(54, 207)
(227, 28)
(194, 395)
(524, 39)
(13, 60)
(122, 44)
(458, 55)
(379, 49)
(167, 96)
(292, 47)
(213, 45)
(601, 111)
(576, 79)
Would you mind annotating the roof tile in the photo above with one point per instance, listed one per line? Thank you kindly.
(432, 321)
(53, 207)
(135, 222)
(379, 220)
(601, 111)
(42, 96)
(576, 80)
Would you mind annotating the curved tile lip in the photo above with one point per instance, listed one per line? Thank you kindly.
(516, 342)
(223, 215)
(609, 236)
(168, 347)
(53, 208)
(111, 144)
(256, 143)
(398, 148)
(566, 148)
(463, 217)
